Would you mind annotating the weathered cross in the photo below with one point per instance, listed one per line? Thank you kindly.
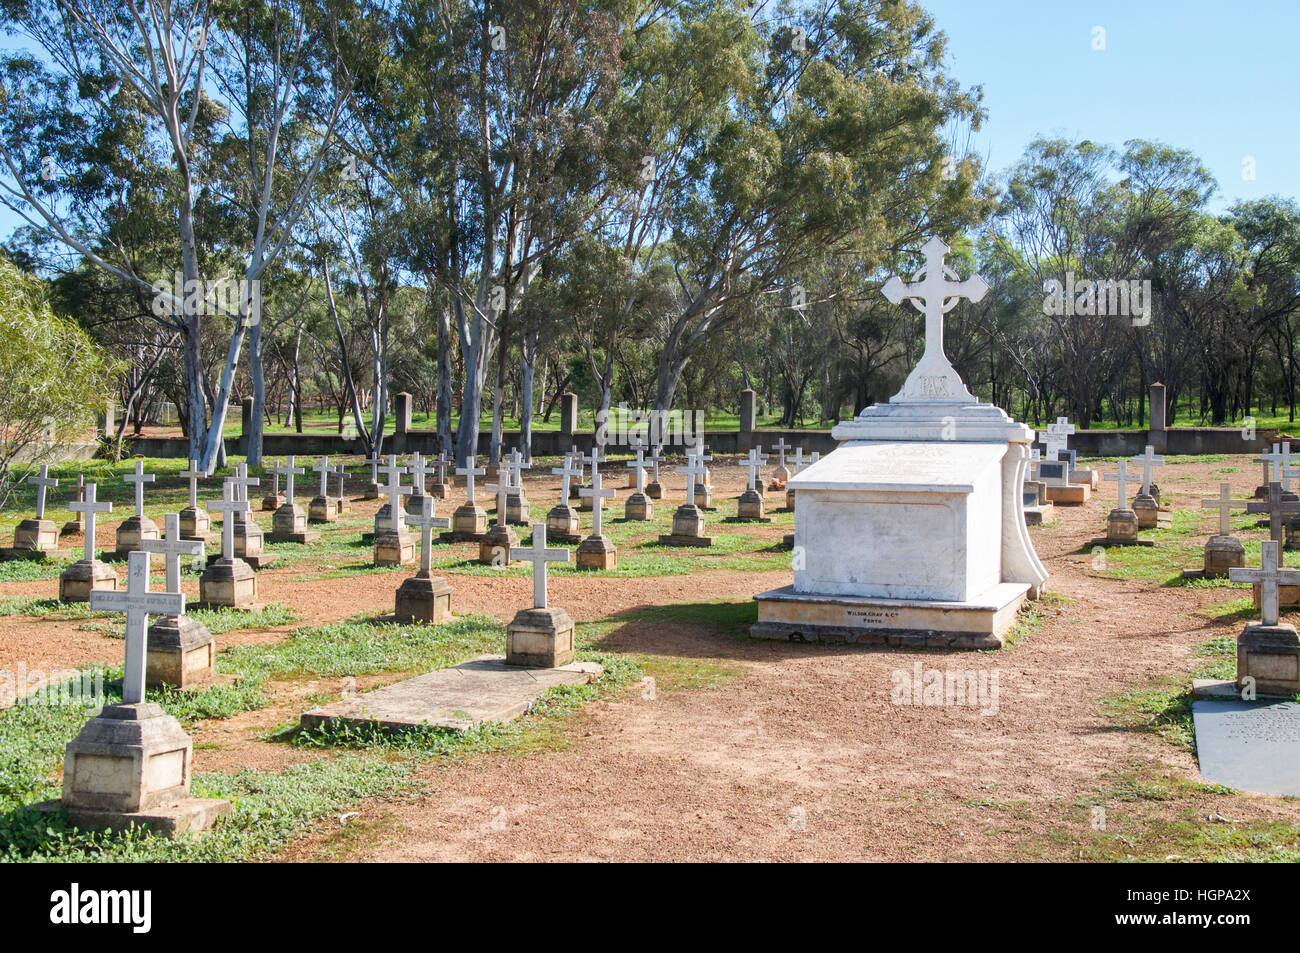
(1224, 504)
(754, 462)
(1272, 464)
(564, 473)
(640, 466)
(419, 473)
(342, 473)
(231, 507)
(780, 447)
(692, 469)
(139, 478)
(1276, 509)
(172, 547)
(501, 489)
(597, 495)
(1148, 462)
(89, 507)
(138, 603)
(469, 473)
(934, 290)
(1122, 478)
(442, 462)
(1268, 575)
(394, 491)
(323, 468)
(427, 522)
(654, 460)
(194, 475)
(539, 556)
(242, 481)
(288, 471)
(42, 483)
(515, 468)
(374, 460)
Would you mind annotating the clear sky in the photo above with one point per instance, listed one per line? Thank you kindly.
(1219, 78)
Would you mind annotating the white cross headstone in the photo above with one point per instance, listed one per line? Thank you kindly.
(419, 473)
(539, 556)
(654, 460)
(427, 523)
(597, 495)
(501, 489)
(323, 468)
(194, 475)
(42, 482)
(515, 468)
(231, 507)
(374, 460)
(1148, 462)
(1269, 576)
(288, 471)
(242, 481)
(469, 472)
(138, 603)
(442, 463)
(1057, 437)
(1272, 464)
(754, 462)
(342, 473)
(88, 507)
(780, 447)
(139, 478)
(692, 469)
(172, 547)
(934, 290)
(565, 473)
(1122, 478)
(1224, 504)
(394, 490)
(639, 465)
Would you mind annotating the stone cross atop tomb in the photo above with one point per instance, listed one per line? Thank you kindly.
(139, 478)
(1148, 462)
(171, 546)
(934, 291)
(597, 494)
(469, 472)
(194, 474)
(1224, 504)
(539, 556)
(89, 507)
(754, 462)
(427, 523)
(138, 603)
(565, 473)
(1122, 476)
(1269, 576)
(42, 482)
(288, 471)
(230, 507)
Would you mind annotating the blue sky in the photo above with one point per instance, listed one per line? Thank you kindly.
(1219, 78)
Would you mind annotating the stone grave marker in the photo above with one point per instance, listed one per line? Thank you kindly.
(1223, 551)
(87, 574)
(654, 489)
(321, 508)
(782, 473)
(228, 580)
(249, 538)
(75, 524)
(688, 521)
(136, 527)
(393, 544)
(704, 485)
(289, 523)
(494, 548)
(419, 470)
(469, 520)
(1278, 509)
(596, 551)
(1147, 503)
(37, 537)
(638, 507)
(749, 508)
(543, 635)
(516, 499)
(372, 488)
(562, 519)
(1122, 522)
(440, 489)
(424, 597)
(1250, 746)
(130, 765)
(195, 521)
(1268, 651)
(182, 651)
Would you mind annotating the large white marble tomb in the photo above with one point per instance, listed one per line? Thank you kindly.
(912, 531)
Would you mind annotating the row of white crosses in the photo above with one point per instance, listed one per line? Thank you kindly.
(1279, 462)
(596, 492)
(1148, 462)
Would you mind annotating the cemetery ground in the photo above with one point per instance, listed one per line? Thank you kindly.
(698, 743)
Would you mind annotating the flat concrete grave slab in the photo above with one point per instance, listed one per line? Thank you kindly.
(464, 696)
(1251, 746)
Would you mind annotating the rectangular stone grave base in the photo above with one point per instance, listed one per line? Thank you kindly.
(1286, 595)
(1034, 515)
(540, 637)
(181, 653)
(438, 491)
(394, 549)
(423, 598)
(1270, 654)
(1248, 745)
(304, 537)
(484, 689)
(9, 553)
(322, 510)
(196, 523)
(1086, 477)
(193, 815)
(38, 535)
(1109, 541)
(1073, 494)
(80, 577)
(228, 582)
(256, 563)
(674, 539)
(979, 623)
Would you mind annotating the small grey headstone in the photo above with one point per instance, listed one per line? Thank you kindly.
(1053, 472)
(1251, 746)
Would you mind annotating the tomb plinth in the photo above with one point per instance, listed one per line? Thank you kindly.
(1122, 526)
(540, 638)
(1270, 655)
(289, 525)
(597, 552)
(35, 537)
(423, 597)
(654, 489)
(131, 531)
(228, 581)
(181, 653)
(704, 496)
(249, 545)
(562, 524)
(468, 523)
(322, 509)
(638, 507)
(517, 508)
(394, 547)
(1147, 510)
(789, 498)
(196, 523)
(494, 547)
(749, 508)
(912, 531)
(272, 502)
(79, 578)
(1292, 529)
(130, 765)
(1223, 553)
(688, 528)
(438, 490)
